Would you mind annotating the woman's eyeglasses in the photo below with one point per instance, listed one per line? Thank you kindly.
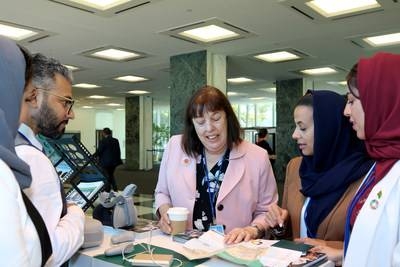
(68, 102)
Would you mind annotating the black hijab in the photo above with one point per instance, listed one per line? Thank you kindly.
(12, 80)
(339, 159)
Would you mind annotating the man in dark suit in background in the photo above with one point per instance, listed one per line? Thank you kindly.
(109, 154)
(262, 142)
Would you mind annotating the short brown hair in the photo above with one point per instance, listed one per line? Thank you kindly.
(208, 98)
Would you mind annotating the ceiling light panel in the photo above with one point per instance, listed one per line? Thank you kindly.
(240, 80)
(377, 40)
(277, 56)
(131, 78)
(383, 40)
(104, 8)
(100, 4)
(319, 71)
(98, 97)
(325, 11)
(113, 104)
(208, 32)
(113, 54)
(138, 92)
(329, 8)
(21, 33)
(86, 85)
(72, 68)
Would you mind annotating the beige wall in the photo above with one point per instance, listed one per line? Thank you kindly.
(88, 120)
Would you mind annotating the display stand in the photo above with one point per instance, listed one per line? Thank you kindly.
(76, 166)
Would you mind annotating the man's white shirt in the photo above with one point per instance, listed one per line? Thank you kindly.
(66, 233)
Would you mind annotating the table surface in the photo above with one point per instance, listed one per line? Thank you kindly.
(86, 257)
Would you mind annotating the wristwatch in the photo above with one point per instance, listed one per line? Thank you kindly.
(260, 230)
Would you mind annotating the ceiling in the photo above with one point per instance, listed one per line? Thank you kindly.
(273, 24)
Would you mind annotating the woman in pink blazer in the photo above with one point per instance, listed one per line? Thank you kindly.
(220, 178)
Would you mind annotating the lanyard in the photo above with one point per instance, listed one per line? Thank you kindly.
(364, 186)
(215, 189)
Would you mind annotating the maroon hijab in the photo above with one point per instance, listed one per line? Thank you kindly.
(378, 80)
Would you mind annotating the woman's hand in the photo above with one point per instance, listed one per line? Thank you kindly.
(241, 234)
(275, 215)
(334, 254)
(164, 223)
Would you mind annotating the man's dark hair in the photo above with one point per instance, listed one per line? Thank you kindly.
(45, 69)
(262, 132)
(107, 131)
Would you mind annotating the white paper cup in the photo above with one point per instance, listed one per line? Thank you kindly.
(178, 217)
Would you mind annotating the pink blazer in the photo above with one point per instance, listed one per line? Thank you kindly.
(248, 187)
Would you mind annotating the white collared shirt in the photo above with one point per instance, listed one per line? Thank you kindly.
(66, 233)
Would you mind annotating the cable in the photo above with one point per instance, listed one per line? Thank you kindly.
(149, 250)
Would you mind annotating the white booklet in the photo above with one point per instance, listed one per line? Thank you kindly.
(209, 243)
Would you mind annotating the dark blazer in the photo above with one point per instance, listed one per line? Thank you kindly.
(109, 152)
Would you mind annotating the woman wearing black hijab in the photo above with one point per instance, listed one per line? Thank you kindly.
(22, 226)
(320, 185)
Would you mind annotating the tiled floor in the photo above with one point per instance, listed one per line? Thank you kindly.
(144, 204)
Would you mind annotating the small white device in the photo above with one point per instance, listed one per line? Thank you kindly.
(163, 260)
(125, 236)
(117, 250)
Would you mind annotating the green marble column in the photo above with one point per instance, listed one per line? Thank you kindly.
(132, 122)
(188, 72)
(288, 92)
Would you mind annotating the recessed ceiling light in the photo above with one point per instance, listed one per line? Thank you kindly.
(131, 78)
(86, 85)
(98, 97)
(319, 71)
(232, 93)
(113, 104)
(113, 53)
(337, 83)
(240, 80)
(277, 56)
(120, 109)
(382, 40)
(87, 107)
(257, 98)
(100, 4)
(329, 8)
(270, 89)
(209, 33)
(138, 92)
(71, 68)
(16, 33)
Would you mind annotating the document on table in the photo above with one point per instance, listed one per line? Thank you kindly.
(279, 257)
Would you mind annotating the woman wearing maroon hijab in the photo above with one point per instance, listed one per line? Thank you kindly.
(373, 107)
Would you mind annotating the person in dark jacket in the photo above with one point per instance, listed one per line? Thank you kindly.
(109, 154)
(262, 140)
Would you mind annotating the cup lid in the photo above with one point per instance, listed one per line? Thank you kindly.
(177, 210)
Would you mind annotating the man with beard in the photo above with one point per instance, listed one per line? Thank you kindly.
(46, 108)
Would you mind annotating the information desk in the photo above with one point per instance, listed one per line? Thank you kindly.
(93, 256)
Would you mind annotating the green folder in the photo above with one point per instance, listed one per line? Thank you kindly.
(292, 245)
(117, 259)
